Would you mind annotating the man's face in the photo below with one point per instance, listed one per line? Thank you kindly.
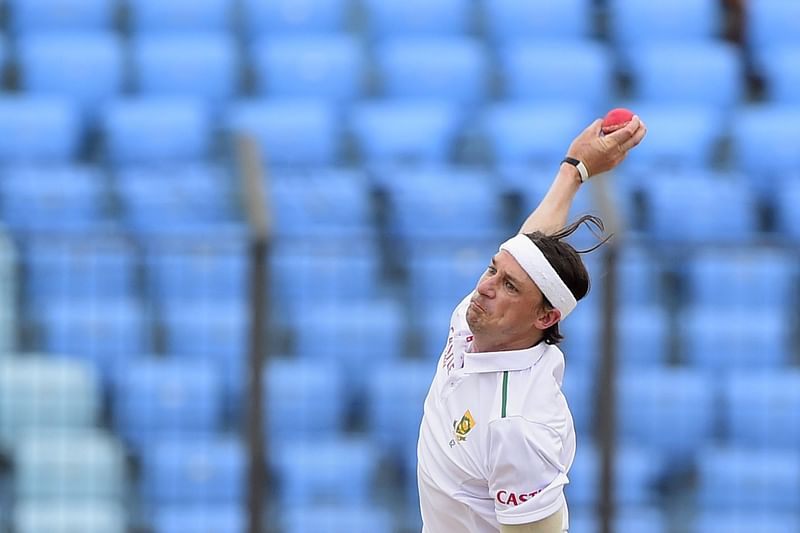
(505, 308)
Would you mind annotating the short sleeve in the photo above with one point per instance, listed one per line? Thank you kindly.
(526, 477)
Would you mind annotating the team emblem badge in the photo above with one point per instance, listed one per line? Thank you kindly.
(464, 426)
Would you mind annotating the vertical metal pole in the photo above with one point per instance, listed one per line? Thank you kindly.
(607, 420)
(256, 209)
(606, 390)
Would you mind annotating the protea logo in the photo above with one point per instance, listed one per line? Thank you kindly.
(464, 426)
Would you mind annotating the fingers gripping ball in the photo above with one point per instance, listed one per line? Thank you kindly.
(616, 119)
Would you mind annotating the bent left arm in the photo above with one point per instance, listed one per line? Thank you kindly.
(551, 524)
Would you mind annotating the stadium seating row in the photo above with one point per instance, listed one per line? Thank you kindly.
(161, 131)
(150, 402)
(179, 474)
(92, 518)
(156, 204)
(455, 69)
(630, 21)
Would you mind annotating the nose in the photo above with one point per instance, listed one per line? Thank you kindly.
(486, 287)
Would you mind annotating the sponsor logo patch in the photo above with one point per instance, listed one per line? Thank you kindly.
(505, 497)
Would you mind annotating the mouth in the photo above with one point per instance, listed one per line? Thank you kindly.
(476, 304)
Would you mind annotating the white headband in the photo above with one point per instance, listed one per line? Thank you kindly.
(533, 261)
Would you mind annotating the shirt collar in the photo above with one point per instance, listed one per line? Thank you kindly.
(476, 362)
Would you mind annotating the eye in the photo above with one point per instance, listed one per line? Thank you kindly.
(491, 270)
(510, 287)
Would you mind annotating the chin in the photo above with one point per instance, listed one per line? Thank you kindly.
(473, 322)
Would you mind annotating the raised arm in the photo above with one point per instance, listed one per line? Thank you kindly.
(599, 154)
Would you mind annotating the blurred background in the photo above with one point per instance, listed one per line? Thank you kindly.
(153, 264)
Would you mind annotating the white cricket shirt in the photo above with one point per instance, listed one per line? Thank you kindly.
(497, 438)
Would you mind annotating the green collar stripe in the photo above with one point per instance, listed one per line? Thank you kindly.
(505, 394)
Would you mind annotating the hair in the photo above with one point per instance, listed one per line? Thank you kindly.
(567, 263)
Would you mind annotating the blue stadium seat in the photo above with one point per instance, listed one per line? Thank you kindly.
(396, 395)
(679, 73)
(558, 72)
(158, 399)
(642, 520)
(280, 17)
(72, 465)
(207, 471)
(387, 18)
(509, 21)
(367, 334)
(29, 16)
(324, 202)
(335, 519)
(781, 68)
(430, 323)
(289, 132)
(772, 23)
(786, 213)
(530, 133)
(728, 521)
(305, 275)
(200, 265)
(24, 118)
(329, 67)
(641, 273)
(679, 136)
(314, 471)
(54, 196)
(760, 409)
(637, 474)
(643, 334)
(447, 68)
(581, 344)
(105, 332)
(303, 399)
(442, 275)
(739, 279)
(78, 269)
(650, 400)
(38, 393)
(60, 64)
(153, 198)
(632, 23)
(718, 338)
(177, 16)
(404, 131)
(765, 139)
(720, 208)
(198, 65)
(157, 131)
(217, 331)
(579, 389)
(200, 519)
(738, 478)
(67, 517)
(418, 213)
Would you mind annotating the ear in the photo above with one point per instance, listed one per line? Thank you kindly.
(546, 318)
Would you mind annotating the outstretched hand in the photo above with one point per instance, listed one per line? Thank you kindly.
(600, 153)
